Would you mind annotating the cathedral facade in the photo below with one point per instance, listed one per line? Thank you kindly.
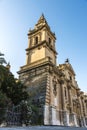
(54, 87)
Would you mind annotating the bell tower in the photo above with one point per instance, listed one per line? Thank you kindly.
(39, 73)
(41, 43)
(53, 90)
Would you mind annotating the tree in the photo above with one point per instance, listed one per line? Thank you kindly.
(30, 113)
(12, 91)
(2, 59)
(13, 88)
(19, 93)
(3, 106)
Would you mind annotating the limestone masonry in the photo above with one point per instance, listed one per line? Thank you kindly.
(54, 87)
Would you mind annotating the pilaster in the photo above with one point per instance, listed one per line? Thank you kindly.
(46, 115)
(70, 97)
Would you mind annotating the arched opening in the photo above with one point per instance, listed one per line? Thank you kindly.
(49, 41)
(36, 40)
(70, 78)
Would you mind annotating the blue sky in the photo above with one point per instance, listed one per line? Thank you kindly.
(67, 18)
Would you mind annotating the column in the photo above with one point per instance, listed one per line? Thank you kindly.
(70, 98)
(71, 121)
(27, 58)
(43, 35)
(54, 120)
(29, 42)
(63, 96)
(64, 112)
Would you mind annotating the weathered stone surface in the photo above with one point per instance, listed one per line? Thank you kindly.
(54, 87)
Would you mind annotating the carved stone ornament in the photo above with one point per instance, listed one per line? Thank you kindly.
(55, 86)
(55, 89)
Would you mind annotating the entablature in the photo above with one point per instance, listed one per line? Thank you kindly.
(44, 43)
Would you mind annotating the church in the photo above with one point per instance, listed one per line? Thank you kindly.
(54, 86)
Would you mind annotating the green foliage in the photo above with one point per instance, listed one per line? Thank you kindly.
(26, 113)
(2, 59)
(3, 106)
(19, 93)
(35, 114)
(2, 74)
(14, 92)
(13, 89)
(30, 114)
(3, 100)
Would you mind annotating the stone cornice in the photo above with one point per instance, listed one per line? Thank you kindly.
(40, 28)
(67, 66)
(43, 62)
(40, 44)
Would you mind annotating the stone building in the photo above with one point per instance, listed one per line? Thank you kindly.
(54, 87)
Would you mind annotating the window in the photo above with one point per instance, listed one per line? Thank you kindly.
(70, 78)
(36, 40)
(49, 41)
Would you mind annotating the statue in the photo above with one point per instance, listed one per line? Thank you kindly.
(67, 60)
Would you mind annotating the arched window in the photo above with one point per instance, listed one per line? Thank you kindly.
(49, 41)
(36, 40)
(70, 78)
